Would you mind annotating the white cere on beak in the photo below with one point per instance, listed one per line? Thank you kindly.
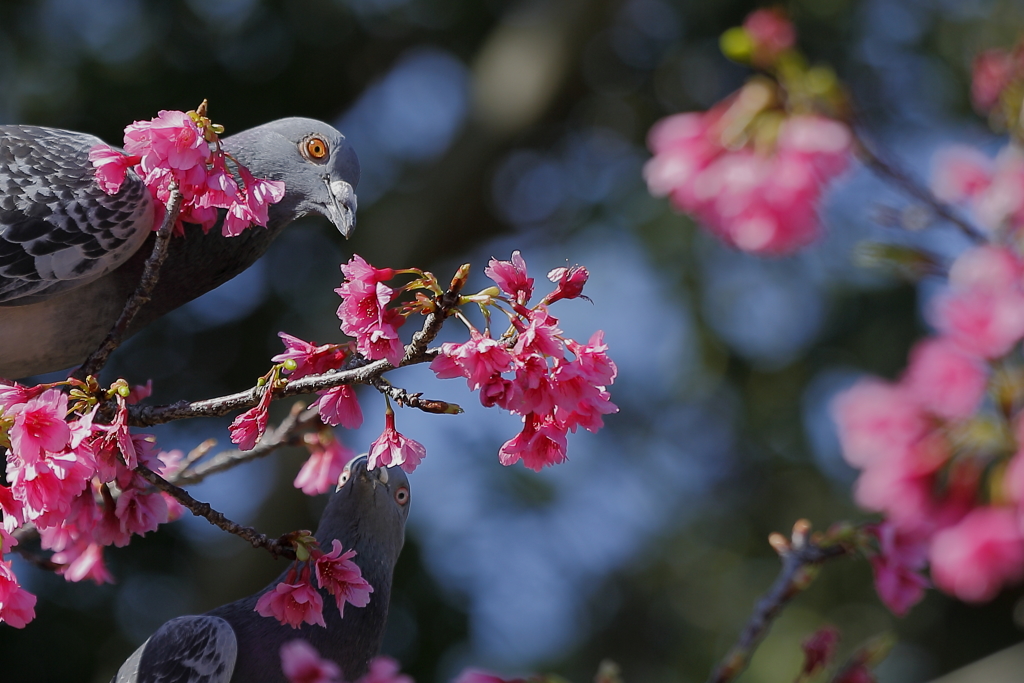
(383, 475)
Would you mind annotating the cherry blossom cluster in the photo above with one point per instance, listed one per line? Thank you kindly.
(942, 449)
(73, 479)
(527, 369)
(183, 149)
(295, 600)
(753, 168)
(555, 383)
(301, 663)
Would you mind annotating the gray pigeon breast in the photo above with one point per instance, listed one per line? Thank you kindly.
(58, 228)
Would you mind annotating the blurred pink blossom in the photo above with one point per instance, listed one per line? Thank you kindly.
(301, 663)
(975, 559)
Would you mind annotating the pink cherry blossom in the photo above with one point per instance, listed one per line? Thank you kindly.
(84, 561)
(248, 428)
(757, 201)
(478, 360)
(944, 380)
(111, 167)
(171, 140)
(541, 443)
(876, 421)
(569, 281)
(540, 336)
(17, 606)
(293, 603)
(39, 425)
(901, 485)
(339, 406)
(960, 173)
(771, 34)
(359, 270)
(364, 311)
(7, 541)
(511, 277)
(384, 670)
(534, 389)
(309, 358)
(301, 663)
(12, 393)
(341, 577)
(819, 648)
(981, 321)
(897, 568)
(327, 458)
(138, 512)
(478, 676)
(991, 72)
(592, 358)
(976, 558)
(391, 448)
(175, 148)
(858, 672)
(987, 267)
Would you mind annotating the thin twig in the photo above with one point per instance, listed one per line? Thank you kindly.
(416, 352)
(888, 169)
(150, 274)
(287, 433)
(38, 560)
(275, 546)
(791, 581)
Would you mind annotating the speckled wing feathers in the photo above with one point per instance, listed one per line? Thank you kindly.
(58, 228)
(193, 649)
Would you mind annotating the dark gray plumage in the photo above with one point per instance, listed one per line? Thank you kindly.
(70, 255)
(234, 643)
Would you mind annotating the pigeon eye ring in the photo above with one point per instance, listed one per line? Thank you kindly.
(315, 149)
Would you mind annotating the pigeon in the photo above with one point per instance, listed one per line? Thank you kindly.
(71, 255)
(234, 643)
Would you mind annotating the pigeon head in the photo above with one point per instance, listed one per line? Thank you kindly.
(318, 167)
(368, 510)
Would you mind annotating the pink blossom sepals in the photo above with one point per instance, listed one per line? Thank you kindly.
(301, 663)
(394, 449)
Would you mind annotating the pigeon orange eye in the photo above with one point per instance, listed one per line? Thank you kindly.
(402, 496)
(316, 148)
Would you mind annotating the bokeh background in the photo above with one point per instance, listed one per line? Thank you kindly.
(483, 127)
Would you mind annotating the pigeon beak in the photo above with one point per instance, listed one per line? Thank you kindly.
(341, 209)
(382, 475)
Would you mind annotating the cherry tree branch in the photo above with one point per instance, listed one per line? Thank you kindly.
(287, 433)
(415, 353)
(800, 558)
(278, 547)
(889, 170)
(38, 560)
(150, 275)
